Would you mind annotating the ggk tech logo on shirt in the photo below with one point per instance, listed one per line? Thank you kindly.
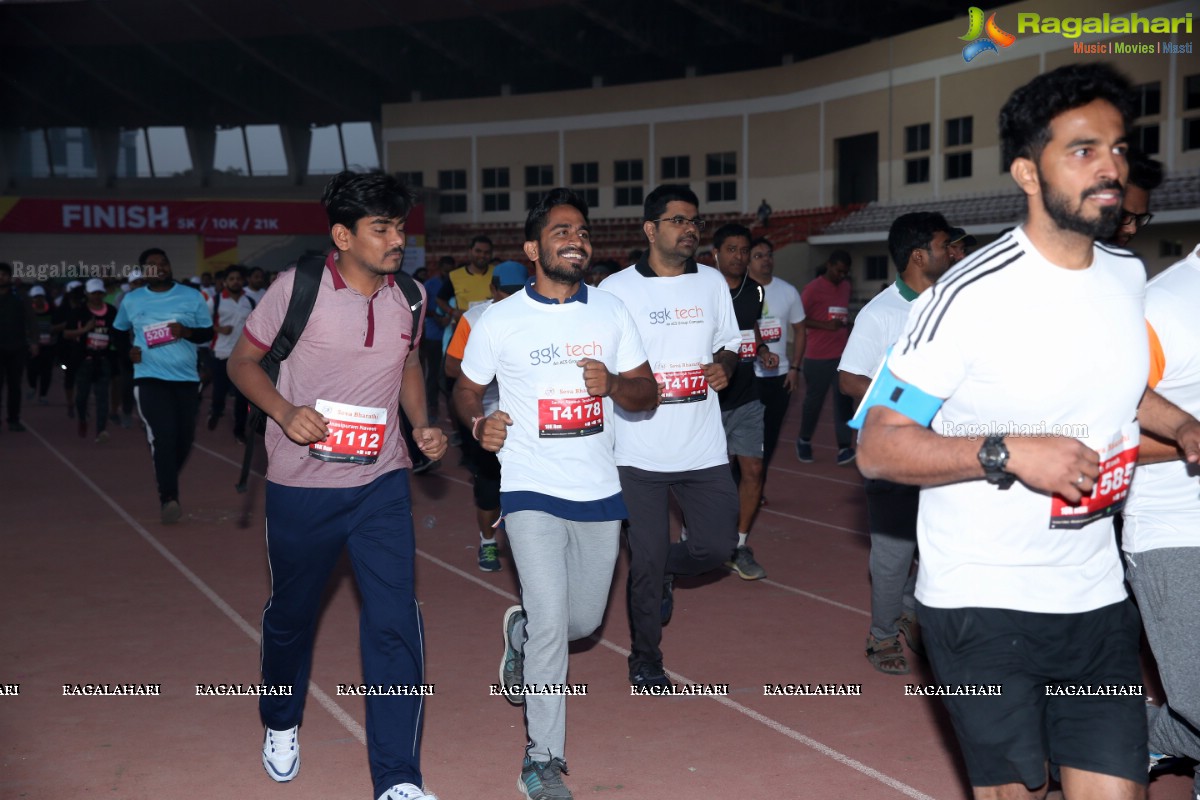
(565, 353)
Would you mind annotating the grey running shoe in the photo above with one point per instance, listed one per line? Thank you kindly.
(512, 664)
(745, 566)
(543, 781)
(804, 452)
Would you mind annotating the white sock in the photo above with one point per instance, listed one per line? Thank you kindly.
(484, 540)
(742, 539)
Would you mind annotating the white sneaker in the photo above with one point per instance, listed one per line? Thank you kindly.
(281, 754)
(406, 791)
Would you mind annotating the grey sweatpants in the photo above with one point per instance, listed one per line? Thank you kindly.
(566, 569)
(892, 582)
(1164, 583)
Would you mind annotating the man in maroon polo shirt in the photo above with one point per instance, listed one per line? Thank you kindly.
(338, 478)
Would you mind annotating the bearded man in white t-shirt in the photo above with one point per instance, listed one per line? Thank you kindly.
(1035, 345)
(565, 358)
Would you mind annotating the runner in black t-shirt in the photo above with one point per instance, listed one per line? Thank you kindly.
(89, 331)
(741, 411)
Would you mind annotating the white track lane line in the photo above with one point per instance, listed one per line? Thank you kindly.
(775, 725)
(327, 702)
(844, 481)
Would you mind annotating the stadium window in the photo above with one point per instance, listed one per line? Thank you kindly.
(628, 196)
(1191, 92)
(452, 204)
(264, 143)
(916, 140)
(358, 143)
(876, 268)
(585, 172)
(496, 201)
(958, 165)
(33, 158)
(1191, 134)
(170, 156)
(495, 178)
(133, 159)
(325, 151)
(229, 156)
(1147, 99)
(539, 175)
(1169, 249)
(916, 170)
(721, 164)
(1145, 138)
(676, 167)
(722, 191)
(627, 171)
(452, 180)
(959, 131)
(414, 180)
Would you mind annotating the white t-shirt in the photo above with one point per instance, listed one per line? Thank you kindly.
(876, 328)
(1163, 509)
(229, 312)
(561, 440)
(683, 320)
(781, 310)
(1010, 340)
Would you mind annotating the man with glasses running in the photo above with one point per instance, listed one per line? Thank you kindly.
(685, 317)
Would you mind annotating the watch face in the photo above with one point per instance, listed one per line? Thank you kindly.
(991, 455)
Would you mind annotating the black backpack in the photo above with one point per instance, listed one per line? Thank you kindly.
(304, 296)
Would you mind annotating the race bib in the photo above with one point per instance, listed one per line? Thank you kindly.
(839, 313)
(355, 433)
(569, 416)
(158, 334)
(770, 329)
(749, 346)
(1118, 458)
(96, 341)
(687, 386)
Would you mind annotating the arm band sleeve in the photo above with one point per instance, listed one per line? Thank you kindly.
(889, 391)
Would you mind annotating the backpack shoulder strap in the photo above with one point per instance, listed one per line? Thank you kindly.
(304, 296)
(412, 295)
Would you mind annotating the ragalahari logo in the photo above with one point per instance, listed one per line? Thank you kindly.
(991, 32)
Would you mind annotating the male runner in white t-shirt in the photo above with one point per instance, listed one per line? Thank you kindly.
(919, 246)
(1161, 539)
(686, 319)
(1036, 346)
(565, 358)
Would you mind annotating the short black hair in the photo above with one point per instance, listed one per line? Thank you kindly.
(913, 231)
(1026, 116)
(762, 240)
(535, 220)
(350, 196)
(446, 261)
(481, 239)
(656, 202)
(238, 268)
(153, 251)
(839, 257)
(1144, 172)
(729, 230)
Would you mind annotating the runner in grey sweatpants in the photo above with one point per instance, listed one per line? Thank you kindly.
(565, 568)
(564, 359)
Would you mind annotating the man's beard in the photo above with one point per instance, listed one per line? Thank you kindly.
(568, 274)
(1102, 227)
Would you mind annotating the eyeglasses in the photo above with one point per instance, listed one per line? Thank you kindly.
(681, 220)
(1142, 220)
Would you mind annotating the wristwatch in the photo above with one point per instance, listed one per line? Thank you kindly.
(993, 456)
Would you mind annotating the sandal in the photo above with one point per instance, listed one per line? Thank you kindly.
(887, 655)
(910, 629)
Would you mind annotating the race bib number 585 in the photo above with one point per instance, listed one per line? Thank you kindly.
(1118, 458)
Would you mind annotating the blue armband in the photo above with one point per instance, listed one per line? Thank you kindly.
(890, 392)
